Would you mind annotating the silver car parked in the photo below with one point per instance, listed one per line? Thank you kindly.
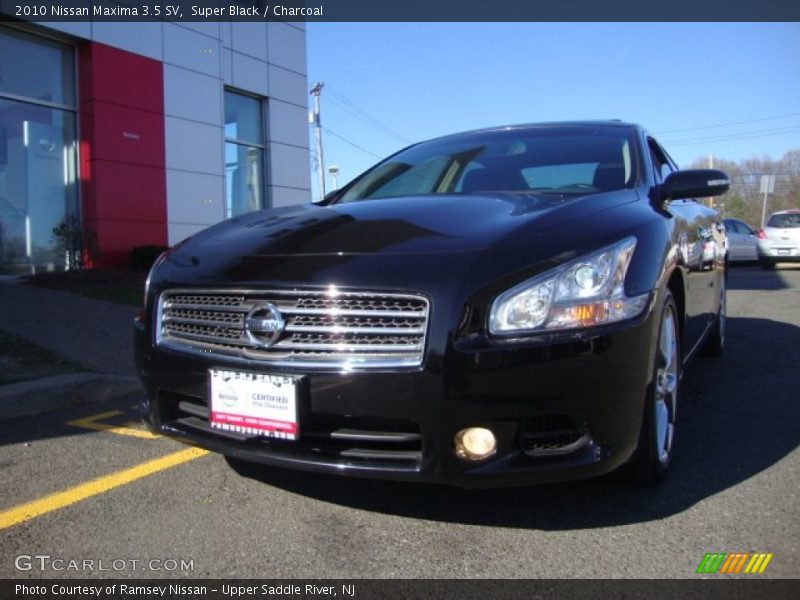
(741, 241)
(779, 240)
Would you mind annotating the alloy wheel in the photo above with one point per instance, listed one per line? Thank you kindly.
(666, 388)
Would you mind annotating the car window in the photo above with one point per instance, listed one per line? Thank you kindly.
(666, 169)
(784, 220)
(662, 165)
(745, 228)
(546, 160)
(556, 176)
(732, 226)
(422, 176)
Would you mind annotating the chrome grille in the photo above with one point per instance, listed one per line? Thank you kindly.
(323, 329)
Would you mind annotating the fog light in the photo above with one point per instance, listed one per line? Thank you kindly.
(475, 443)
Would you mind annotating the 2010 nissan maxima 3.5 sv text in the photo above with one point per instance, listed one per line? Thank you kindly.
(510, 305)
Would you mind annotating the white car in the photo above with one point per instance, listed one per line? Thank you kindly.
(741, 241)
(779, 240)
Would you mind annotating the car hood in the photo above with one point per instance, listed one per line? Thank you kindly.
(406, 225)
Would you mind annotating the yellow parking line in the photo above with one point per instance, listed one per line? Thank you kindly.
(30, 510)
(94, 422)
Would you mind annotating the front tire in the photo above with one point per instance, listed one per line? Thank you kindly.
(654, 454)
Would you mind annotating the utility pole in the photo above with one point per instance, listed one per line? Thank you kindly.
(315, 120)
(767, 187)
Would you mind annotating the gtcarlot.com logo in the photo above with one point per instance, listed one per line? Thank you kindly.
(750, 563)
(46, 562)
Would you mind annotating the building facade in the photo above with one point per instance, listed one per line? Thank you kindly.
(118, 135)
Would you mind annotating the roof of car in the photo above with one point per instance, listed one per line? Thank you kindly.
(524, 126)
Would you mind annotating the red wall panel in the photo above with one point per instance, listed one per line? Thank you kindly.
(123, 176)
(138, 192)
(122, 78)
(125, 134)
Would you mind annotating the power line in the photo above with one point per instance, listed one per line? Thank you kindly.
(735, 136)
(353, 144)
(364, 115)
(731, 124)
(336, 103)
(360, 113)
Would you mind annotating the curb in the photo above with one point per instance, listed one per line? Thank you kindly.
(39, 396)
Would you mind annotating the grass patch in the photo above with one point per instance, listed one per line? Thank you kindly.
(115, 285)
(20, 360)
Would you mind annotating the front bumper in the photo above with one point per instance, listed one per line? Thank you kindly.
(560, 410)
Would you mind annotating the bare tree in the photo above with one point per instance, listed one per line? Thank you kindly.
(744, 200)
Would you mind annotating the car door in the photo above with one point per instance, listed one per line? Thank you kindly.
(741, 240)
(735, 241)
(700, 248)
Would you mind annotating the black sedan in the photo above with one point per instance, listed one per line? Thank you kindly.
(510, 305)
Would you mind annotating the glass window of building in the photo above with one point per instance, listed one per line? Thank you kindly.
(244, 154)
(39, 215)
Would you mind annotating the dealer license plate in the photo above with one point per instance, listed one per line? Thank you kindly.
(253, 403)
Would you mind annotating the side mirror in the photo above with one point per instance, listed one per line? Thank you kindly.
(695, 183)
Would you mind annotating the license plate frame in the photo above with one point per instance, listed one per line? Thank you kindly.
(252, 403)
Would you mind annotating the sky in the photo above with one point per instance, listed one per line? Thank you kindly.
(731, 90)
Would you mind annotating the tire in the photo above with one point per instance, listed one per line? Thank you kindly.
(767, 264)
(714, 344)
(654, 454)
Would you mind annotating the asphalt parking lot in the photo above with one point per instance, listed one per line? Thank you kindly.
(88, 484)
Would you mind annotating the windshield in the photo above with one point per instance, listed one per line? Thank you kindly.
(542, 160)
(784, 221)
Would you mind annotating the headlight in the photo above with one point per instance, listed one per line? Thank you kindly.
(584, 292)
